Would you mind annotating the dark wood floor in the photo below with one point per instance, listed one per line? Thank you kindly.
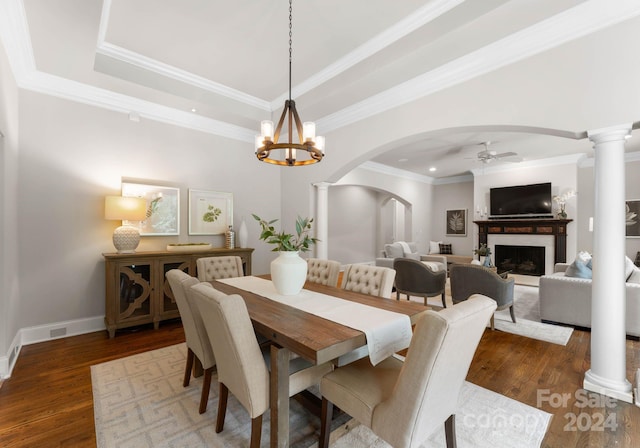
(48, 400)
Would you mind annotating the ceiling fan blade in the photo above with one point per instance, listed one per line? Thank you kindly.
(505, 154)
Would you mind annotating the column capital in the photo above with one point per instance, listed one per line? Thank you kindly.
(610, 134)
(322, 185)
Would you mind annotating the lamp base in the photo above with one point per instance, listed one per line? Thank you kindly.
(126, 239)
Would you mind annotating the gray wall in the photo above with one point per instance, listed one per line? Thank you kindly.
(453, 196)
(72, 156)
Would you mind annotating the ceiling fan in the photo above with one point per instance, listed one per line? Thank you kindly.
(489, 155)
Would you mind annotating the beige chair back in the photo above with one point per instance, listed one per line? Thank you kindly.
(437, 363)
(194, 329)
(241, 367)
(366, 279)
(213, 268)
(324, 272)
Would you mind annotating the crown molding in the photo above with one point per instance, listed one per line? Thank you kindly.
(397, 172)
(453, 179)
(14, 32)
(586, 18)
(419, 18)
(571, 159)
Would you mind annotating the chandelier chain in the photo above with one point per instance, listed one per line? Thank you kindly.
(290, 42)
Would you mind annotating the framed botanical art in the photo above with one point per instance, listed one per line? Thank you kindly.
(210, 212)
(163, 208)
(632, 220)
(456, 222)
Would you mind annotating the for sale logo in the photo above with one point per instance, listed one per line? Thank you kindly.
(583, 421)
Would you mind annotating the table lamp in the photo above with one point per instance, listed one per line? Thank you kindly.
(125, 238)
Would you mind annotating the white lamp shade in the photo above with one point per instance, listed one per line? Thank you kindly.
(125, 208)
(308, 131)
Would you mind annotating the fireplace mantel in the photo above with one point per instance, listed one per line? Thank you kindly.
(555, 227)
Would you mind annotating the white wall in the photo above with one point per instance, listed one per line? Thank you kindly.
(352, 223)
(72, 155)
(9, 289)
(454, 196)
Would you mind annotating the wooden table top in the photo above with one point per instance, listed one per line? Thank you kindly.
(314, 338)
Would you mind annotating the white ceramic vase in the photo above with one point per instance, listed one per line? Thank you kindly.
(288, 273)
(243, 235)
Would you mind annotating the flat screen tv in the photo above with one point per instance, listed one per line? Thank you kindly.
(521, 201)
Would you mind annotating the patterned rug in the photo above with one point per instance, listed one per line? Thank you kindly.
(139, 402)
(527, 310)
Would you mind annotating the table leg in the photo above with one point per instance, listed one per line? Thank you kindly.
(279, 397)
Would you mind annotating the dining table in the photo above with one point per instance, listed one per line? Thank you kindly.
(317, 339)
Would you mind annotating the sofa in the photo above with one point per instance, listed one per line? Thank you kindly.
(567, 300)
(395, 250)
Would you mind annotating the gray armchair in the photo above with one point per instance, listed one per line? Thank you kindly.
(469, 279)
(414, 278)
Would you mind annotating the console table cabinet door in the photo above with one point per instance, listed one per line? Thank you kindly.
(137, 291)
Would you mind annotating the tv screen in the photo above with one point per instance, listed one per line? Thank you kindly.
(521, 201)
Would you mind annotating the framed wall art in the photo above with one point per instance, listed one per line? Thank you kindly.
(163, 208)
(632, 220)
(456, 222)
(210, 212)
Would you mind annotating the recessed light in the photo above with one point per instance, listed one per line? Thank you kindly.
(432, 169)
(194, 110)
(403, 160)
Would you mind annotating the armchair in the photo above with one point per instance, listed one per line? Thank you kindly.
(413, 278)
(469, 279)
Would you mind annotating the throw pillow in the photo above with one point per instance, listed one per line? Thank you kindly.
(578, 269)
(628, 268)
(393, 250)
(635, 276)
(434, 247)
(445, 249)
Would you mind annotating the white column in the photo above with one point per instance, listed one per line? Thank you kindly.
(322, 219)
(607, 374)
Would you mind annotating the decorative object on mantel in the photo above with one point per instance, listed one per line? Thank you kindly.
(561, 200)
(243, 234)
(267, 141)
(188, 247)
(288, 271)
(126, 237)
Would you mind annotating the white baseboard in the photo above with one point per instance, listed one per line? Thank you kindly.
(47, 332)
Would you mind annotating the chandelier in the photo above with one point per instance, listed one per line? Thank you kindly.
(308, 141)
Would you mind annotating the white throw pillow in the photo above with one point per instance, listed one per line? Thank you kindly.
(635, 276)
(434, 247)
(629, 267)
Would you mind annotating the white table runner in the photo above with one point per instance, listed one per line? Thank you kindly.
(387, 332)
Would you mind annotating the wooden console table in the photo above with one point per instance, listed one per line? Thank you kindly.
(137, 291)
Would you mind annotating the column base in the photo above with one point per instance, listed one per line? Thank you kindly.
(620, 390)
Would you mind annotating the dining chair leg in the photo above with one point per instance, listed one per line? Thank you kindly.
(513, 314)
(325, 423)
(444, 302)
(206, 385)
(450, 431)
(188, 367)
(256, 431)
(222, 407)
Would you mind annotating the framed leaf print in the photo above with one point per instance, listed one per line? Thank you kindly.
(456, 222)
(210, 212)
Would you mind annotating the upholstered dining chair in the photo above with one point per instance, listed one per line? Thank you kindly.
(405, 402)
(469, 279)
(414, 278)
(198, 344)
(324, 272)
(240, 362)
(366, 279)
(213, 268)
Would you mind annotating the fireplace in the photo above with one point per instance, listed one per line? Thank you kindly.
(526, 260)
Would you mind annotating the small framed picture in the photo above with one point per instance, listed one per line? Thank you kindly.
(163, 208)
(632, 220)
(210, 212)
(456, 222)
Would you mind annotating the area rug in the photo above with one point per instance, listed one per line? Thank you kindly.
(139, 402)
